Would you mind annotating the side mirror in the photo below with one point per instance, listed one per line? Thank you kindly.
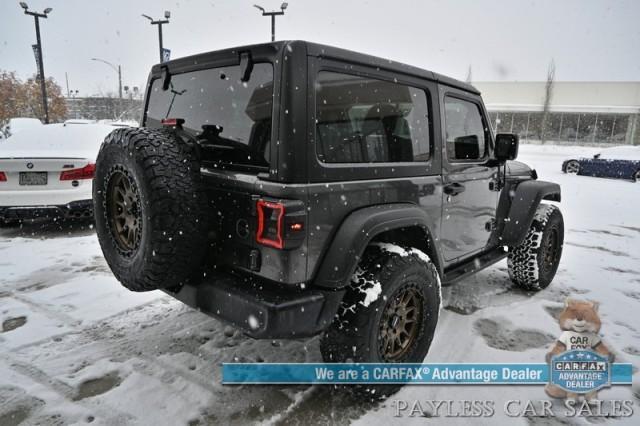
(506, 147)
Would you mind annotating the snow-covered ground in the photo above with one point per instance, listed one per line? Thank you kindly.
(75, 347)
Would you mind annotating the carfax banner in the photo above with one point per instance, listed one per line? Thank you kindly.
(577, 376)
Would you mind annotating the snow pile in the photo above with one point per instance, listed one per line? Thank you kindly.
(370, 288)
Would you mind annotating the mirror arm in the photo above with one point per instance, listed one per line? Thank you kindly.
(493, 162)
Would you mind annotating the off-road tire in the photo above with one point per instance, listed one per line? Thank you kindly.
(163, 173)
(354, 335)
(533, 264)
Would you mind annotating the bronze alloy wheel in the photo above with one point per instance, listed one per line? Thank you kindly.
(550, 249)
(125, 214)
(400, 323)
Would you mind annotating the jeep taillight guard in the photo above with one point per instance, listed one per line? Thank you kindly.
(281, 224)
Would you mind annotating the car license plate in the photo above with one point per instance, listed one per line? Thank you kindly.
(33, 178)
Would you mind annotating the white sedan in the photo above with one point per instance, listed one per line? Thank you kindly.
(48, 171)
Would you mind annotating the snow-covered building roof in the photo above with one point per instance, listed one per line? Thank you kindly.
(568, 96)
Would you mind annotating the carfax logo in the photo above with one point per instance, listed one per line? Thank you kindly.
(579, 360)
(580, 371)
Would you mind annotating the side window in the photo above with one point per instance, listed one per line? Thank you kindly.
(364, 120)
(465, 130)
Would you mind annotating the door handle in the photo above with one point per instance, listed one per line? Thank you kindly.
(454, 188)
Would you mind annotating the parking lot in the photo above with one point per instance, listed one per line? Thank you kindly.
(76, 347)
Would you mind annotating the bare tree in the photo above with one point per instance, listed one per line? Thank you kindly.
(468, 79)
(548, 95)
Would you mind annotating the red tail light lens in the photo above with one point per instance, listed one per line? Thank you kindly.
(87, 172)
(3, 177)
(172, 122)
(270, 224)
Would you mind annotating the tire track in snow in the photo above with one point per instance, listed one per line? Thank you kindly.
(599, 248)
(66, 391)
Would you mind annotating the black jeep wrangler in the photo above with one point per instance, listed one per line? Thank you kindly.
(292, 189)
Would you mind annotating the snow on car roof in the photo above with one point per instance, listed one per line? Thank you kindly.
(621, 153)
(19, 124)
(56, 141)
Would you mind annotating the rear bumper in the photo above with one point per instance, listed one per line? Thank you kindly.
(261, 310)
(45, 197)
(73, 210)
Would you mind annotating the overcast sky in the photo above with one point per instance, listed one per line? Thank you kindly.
(501, 40)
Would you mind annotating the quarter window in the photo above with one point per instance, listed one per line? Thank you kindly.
(466, 133)
(365, 120)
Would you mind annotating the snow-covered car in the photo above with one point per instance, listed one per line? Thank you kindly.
(619, 162)
(47, 171)
(16, 125)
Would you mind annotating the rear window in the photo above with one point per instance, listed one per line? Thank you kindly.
(230, 118)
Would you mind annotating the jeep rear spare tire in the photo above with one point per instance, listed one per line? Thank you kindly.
(149, 206)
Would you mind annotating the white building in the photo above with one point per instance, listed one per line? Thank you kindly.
(579, 112)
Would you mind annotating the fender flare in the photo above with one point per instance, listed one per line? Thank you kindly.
(527, 196)
(356, 232)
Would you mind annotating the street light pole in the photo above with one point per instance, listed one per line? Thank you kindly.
(159, 23)
(43, 87)
(273, 15)
(117, 69)
(120, 82)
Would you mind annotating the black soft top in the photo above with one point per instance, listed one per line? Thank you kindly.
(270, 50)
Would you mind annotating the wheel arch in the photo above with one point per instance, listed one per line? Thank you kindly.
(400, 223)
(524, 202)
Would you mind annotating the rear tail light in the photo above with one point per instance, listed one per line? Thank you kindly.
(270, 223)
(3, 177)
(87, 172)
(172, 122)
(280, 223)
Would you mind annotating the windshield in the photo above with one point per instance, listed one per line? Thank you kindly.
(225, 114)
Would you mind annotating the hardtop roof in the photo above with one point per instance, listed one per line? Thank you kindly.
(321, 51)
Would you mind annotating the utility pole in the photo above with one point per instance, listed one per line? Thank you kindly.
(273, 15)
(43, 88)
(159, 23)
(117, 69)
